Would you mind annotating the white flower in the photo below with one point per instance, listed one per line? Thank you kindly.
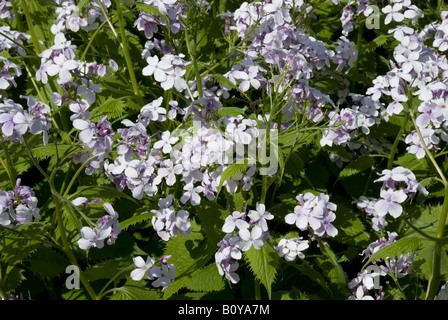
(62, 66)
(260, 216)
(93, 237)
(191, 193)
(142, 268)
(249, 238)
(393, 13)
(165, 142)
(157, 68)
(234, 220)
(390, 203)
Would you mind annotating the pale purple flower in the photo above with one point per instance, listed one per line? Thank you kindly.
(235, 220)
(143, 268)
(390, 203)
(260, 215)
(93, 237)
(251, 238)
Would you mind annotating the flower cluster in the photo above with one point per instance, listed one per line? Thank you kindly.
(396, 266)
(399, 184)
(315, 212)
(18, 206)
(241, 235)
(16, 121)
(70, 17)
(292, 248)
(107, 228)
(167, 222)
(164, 275)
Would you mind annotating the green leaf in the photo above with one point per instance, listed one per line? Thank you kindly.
(333, 269)
(406, 245)
(231, 111)
(211, 221)
(101, 192)
(229, 172)
(135, 219)
(149, 9)
(224, 81)
(264, 263)
(109, 268)
(357, 166)
(189, 254)
(207, 279)
(135, 292)
(48, 262)
(112, 108)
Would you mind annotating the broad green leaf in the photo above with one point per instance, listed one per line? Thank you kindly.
(110, 268)
(136, 291)
(263, 263)
(211, 221)
(101, 192)
(189, 255)
(229, 172)
(135, 219)
(357, 166)
(231, 111)
(334, 270)
(406, 245)
(48, 262)
(207, 279)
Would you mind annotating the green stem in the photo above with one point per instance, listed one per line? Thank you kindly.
(192, 53)
(29, 22)
(434, 281)
(66, 244)
(78, 172)
(124, 43)
(8, 167)
(393, 151)
(428, 153)
(60, 221)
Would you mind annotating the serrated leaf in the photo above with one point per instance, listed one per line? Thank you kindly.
(207, 279)
(231, 111)
(406, 245)
(335, 273)
(189, 255)
(229, 172)
(48, 262)
(101, 192)
(143, 7)
(42, 152)
(356, 166)
(135, 219)
(112, 108)
(224, 81)
(109, 268)
(135, 292)
(264, 263)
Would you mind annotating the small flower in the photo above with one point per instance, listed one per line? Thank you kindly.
(93, 237)
(260, 216)
(390, 203)
(251, 238)
(143, 268)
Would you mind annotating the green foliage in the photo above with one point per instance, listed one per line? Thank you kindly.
(264, 263)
